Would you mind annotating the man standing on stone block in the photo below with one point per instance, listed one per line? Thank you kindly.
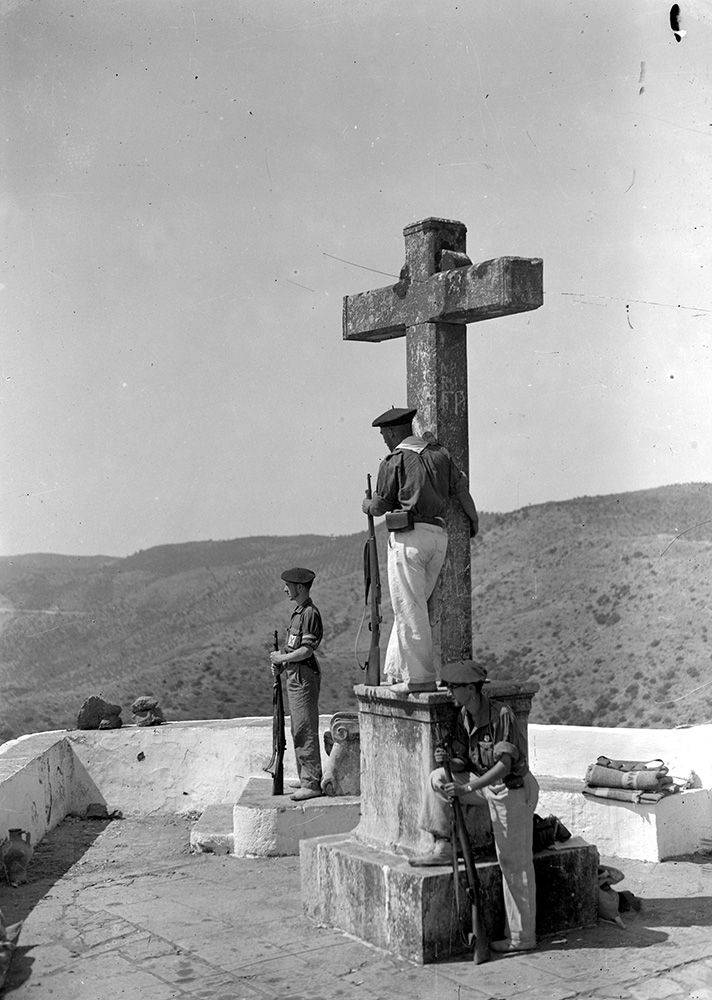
(489, 768)
(303, 679)
(415, 482)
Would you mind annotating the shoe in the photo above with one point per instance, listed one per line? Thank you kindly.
(306, 793)
(441, 854)
(507, 947)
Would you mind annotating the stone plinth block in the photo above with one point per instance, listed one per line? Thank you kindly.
(410, 912)
(399, 733)
(267, 825)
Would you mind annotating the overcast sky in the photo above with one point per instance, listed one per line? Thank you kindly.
(189, 190)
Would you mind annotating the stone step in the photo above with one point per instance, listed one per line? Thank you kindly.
(376, 895)
(265, 825)
(645, 831)
(213, 833)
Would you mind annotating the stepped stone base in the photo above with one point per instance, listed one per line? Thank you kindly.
(266, 825)
(410, 912)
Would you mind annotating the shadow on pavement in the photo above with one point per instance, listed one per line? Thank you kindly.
(53, 857)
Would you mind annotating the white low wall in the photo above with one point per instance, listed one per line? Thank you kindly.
(182, 767)
(179, 767)
(566, 751)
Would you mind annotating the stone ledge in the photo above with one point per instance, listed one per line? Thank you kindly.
(409, 912)
(265, 825)
(213, 833)
(644, 831)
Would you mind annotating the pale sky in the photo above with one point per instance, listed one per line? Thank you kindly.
(180, 180)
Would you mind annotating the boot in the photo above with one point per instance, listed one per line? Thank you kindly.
(441, 854)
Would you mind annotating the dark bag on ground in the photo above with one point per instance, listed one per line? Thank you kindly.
(547, 832)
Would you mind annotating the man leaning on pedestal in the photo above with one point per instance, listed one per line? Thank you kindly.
(489, 768)
(415, 482)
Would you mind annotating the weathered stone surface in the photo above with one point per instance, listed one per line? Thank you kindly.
(399, 733)
(342, 770)
(95, 710)
(147, 712)
(494, 288)
(376, 896)
(144, 704)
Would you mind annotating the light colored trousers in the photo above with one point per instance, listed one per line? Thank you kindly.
(511, 812)
(415, 559)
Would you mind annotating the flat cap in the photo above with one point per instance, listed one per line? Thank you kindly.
(463, 672)
(298, 575)
(396, 415)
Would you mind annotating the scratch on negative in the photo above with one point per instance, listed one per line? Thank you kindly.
(691, 528)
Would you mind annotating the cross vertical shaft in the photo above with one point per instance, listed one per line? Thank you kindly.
(436, 366)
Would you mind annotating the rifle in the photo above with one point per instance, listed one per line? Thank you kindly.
(372, 581)
(460, 837)
(279, 743)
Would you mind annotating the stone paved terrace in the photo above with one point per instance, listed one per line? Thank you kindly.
(121, 909)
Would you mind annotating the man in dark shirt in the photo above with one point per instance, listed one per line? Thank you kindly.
(303, 679)
(417, 479)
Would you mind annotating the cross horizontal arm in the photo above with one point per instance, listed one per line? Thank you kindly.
(498, 287)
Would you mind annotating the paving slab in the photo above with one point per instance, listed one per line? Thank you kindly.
(122, 910)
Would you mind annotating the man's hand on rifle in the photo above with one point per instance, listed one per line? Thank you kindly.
(277, 660)
(453, 790)
(366, 505)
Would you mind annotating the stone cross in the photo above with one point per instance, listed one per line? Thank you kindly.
(438, 293)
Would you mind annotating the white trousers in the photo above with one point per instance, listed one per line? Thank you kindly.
(415, 559)
(512, 815)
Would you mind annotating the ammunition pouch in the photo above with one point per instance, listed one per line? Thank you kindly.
(399, 520)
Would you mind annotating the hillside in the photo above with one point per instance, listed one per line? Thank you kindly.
(605, 601)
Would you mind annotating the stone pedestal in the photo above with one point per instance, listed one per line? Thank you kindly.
(361, 882)
(399, 733)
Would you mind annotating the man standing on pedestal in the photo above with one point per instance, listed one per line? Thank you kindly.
(415, 482)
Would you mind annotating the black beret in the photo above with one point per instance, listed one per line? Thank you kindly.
(463, 672)
(396, 415)
(298, 575)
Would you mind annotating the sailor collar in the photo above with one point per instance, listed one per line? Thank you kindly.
(412, 443)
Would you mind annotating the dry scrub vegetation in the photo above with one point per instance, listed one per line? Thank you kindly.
(605, 601)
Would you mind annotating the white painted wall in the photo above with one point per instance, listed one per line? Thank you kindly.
(566, 751)
(187, 766)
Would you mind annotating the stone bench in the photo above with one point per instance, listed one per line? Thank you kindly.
(645, 831)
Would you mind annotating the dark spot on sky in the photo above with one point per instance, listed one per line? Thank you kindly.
(675, 21)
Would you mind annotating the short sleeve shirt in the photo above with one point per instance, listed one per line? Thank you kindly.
(483, 746)
(305, 628)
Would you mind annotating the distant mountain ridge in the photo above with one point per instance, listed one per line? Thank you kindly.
(605, 601)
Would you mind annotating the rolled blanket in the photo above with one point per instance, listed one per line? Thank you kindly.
(607, 777)
(624, 794)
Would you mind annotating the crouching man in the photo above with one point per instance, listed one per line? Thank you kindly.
(489, 768)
